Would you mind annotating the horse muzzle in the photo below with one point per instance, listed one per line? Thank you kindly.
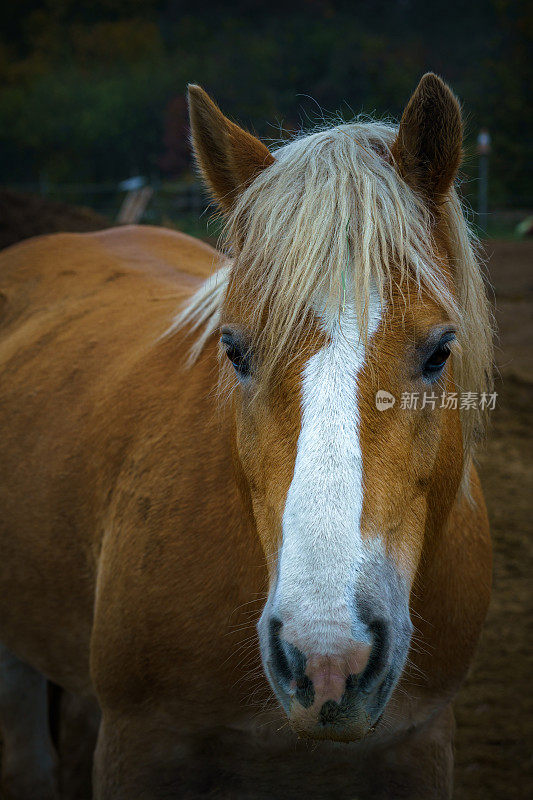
(338, 692)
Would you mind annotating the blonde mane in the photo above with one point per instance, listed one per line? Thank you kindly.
(331, 218)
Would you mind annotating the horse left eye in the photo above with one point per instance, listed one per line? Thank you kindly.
(435, 363)
(238, 355)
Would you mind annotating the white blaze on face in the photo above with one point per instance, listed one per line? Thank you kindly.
(322, 548)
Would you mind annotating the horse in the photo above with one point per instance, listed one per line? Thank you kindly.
(239, 505)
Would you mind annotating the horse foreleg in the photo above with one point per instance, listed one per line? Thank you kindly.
(420, 766)
(79, 718)
(28, 756)
(140, 756)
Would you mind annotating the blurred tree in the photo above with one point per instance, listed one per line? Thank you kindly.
(90, 88)
(176, 158)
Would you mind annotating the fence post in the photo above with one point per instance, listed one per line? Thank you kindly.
(483, 149)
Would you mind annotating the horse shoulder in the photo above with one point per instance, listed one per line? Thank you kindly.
(84, 368)
(450, 599)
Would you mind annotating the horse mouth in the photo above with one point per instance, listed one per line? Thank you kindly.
(353, 718)
(332, 723)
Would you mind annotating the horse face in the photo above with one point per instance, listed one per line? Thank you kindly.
(339, 493)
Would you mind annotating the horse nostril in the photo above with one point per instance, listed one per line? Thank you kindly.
(287, 661)
(380, 654)
(278, 656)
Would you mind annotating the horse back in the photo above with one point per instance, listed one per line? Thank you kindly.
(85, 378)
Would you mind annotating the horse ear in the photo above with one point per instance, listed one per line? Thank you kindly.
(427, 150)
(229, 158)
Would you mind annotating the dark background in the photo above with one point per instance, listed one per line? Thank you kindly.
(94, 90)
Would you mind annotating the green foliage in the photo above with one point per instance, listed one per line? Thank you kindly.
(91, 89)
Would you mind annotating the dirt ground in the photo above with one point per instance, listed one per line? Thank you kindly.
(494, 710)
